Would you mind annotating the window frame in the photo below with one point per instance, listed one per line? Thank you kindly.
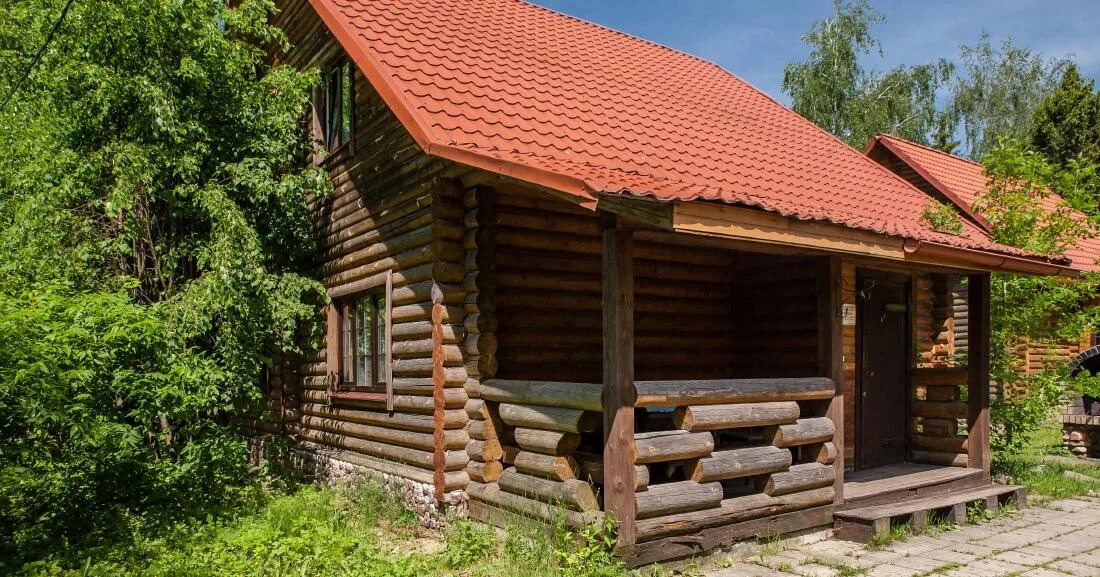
(344, 68)
(340, 335)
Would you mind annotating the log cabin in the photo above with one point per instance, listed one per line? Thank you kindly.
(958, 182)
(575, 274)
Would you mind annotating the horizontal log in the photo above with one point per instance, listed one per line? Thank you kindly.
(484, 472)
(940, 409)
(484, 451)
(803, 432)
(939, 458)
(549, 418)
(665, 446)
(492, 494)
(575, 494)
(941, 393)
(729, 391)
(954, 444)
(484, 430)
(939, 427)
(737, 463)
(678, 497)
(453, 439)
(715, 417)
(940, 376)
(423, 330)
(591, 469)
(453, 460)
(824, 453)
(425, 423)
(547, 466)
(802, 477)
(582, 396)
(732, 511)
(477, 409)
(548, 442)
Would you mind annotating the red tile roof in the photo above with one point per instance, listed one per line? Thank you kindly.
(963, 180)
(521, 90)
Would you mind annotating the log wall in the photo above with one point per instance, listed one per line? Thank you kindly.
(938, 420)
(775, 324)
(390, 210)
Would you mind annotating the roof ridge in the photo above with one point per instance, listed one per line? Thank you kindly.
(931, 149)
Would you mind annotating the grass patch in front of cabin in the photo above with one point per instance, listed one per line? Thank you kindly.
(360, 529)
(1044, 478)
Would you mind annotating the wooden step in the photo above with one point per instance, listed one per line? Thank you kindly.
(864, 524)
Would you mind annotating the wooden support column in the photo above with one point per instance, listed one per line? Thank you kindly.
(830, 357)
(978, 373)
(618, 377)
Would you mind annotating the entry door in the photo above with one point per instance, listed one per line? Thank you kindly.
(883, 321)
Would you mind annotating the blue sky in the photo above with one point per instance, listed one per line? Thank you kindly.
(754, 39)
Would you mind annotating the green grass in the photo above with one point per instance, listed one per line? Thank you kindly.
(1044, 478)
(356, 530)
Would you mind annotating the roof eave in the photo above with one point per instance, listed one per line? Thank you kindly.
(940, 252)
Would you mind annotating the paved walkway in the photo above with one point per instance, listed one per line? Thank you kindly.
(1059, 539)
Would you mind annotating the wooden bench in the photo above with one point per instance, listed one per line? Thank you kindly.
(866, 523)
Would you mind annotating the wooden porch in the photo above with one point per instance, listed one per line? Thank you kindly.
(693, 389)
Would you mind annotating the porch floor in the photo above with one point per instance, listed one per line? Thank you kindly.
(907, 479)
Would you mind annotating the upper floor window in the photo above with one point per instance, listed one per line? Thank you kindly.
(333, 101)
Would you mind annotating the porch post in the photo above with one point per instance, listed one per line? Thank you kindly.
(978, 373)
(618, 376)
(830, 357)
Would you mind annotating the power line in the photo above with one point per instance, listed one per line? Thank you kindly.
(38, 56)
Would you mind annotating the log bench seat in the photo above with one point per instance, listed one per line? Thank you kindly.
(866, 523)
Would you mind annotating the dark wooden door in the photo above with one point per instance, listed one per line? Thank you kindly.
(883, 321)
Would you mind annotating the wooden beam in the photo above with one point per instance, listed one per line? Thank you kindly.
(726, 221)
(830, 357)
(978, 378)
(618, 377)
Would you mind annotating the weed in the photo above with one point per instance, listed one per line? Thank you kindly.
(842, 569)
(898, 533)
(466, 543)
(592, 555)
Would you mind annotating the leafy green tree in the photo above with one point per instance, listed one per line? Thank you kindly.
(154, 255)
(833, 89)
(996, 92)
(1066, 125)
(1032, 309)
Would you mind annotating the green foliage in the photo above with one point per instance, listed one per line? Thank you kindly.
(310, 532)
(997, 91)
(592, 557)
(154, 239)
(1019, 203)
(834, 90)
(358, 529)
(1026, 309)
(942, 218)
(467, 542)
(1066, 124)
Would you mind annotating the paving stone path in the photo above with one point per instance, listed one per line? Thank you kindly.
(1059, 539)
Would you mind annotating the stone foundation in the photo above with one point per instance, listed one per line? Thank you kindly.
(332, 467)
(1082, 439)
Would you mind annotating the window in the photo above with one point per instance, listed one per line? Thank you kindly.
(359, 342)
(363, 342)
(332, 106)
